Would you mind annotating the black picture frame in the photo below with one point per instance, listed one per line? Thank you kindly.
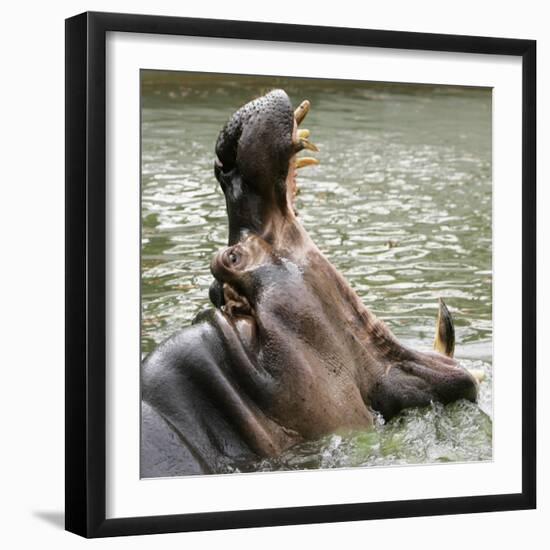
(86, 273)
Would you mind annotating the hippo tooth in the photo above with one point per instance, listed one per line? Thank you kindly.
(303, 134)
(302, 144)
(308, 145)
(302, 110)
(306, 161)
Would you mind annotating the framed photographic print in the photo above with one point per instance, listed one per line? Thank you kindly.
(300, 274)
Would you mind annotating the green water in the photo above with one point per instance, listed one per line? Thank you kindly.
(401, 204)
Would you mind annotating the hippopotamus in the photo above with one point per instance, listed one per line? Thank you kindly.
(288, 352)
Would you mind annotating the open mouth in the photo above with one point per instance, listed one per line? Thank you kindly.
(258, 154)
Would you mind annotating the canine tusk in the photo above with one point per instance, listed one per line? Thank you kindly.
(444, 331)
(301, 112)
(303, 134)
(303, 143)
(306, 161)
(308, 145)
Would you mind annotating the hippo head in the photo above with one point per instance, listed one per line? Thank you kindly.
(330, 361)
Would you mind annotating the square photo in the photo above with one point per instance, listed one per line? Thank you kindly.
(316, 274)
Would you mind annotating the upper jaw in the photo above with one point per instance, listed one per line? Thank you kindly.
(256, 163)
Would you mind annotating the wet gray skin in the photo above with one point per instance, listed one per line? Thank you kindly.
(289, 353)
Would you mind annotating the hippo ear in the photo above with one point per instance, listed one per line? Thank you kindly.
(444, 331)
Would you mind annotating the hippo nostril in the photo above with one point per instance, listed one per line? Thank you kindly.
(233, 258)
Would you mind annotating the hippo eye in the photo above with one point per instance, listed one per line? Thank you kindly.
(232, 258)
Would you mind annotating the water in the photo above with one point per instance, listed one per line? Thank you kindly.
(401, 204)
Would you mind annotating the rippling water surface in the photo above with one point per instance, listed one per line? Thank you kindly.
(401, 204)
